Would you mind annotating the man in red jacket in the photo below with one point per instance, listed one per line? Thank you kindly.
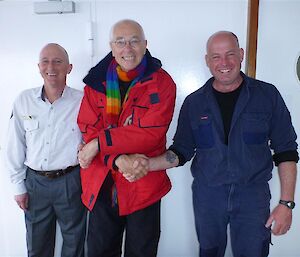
(127, 108)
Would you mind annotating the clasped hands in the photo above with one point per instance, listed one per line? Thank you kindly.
(133, 166)
(87, 152)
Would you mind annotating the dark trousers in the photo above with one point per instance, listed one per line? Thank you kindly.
(106, 228)
(52, 200)
(244, 208)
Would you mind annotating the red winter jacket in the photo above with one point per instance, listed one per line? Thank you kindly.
(151, 103)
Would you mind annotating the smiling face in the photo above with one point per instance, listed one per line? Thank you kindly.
(54, 66)
(224, 58)
(130, 54)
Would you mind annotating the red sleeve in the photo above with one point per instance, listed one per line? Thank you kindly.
(89, 117)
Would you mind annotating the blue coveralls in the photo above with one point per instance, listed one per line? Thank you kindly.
(231, 181)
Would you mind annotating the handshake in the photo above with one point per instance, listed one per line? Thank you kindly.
(133, 166)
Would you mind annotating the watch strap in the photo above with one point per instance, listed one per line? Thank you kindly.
(290, 204)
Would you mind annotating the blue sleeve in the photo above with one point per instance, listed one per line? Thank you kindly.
(282, 135)
(183, 141)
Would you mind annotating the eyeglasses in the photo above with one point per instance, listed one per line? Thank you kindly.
(121, 43)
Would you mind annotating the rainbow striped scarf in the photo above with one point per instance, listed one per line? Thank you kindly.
(113, 97)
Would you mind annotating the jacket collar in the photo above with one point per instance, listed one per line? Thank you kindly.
(97, 74)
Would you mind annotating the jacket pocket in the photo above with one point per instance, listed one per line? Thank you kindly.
(149, 117)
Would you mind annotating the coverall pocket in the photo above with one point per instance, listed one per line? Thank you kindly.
(255, 128)
(203, 134)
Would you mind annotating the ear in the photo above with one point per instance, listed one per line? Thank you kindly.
(206, 60)
(70, 68)
(111, 48)
(145, 46)
(39, 66)
(241, 54)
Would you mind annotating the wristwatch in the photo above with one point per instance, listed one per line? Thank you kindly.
(289, 204)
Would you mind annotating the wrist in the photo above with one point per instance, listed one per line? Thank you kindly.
(118, 160)
(151, 164)
(114, 162)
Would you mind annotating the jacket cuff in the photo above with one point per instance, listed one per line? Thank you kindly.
(109, 161)
(99, 148)
(180, 156)
(286, 156)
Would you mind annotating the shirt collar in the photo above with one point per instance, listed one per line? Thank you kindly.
(39, 93)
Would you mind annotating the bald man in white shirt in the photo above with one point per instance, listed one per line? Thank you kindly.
(41, 152)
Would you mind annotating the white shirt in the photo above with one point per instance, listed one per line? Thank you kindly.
(41, 135)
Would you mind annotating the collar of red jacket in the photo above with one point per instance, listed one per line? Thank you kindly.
(97, 75)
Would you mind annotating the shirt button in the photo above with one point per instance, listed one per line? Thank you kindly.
(45, 160)
(47, 143)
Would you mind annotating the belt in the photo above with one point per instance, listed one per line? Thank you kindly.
(54, 173)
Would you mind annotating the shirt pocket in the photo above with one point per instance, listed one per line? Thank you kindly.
(31, 126)
(255, 128)
(203, 133)
(69, 130)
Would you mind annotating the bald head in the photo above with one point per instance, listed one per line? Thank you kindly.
(58, 48)
(223, 58)
(54, 66)
(124, 23)
(222, 35)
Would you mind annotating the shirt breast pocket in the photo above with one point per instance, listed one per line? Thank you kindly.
(70, 130)
(203, 133)
(31, 126)
(255, 128)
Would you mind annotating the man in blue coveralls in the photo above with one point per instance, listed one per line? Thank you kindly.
(230, 126)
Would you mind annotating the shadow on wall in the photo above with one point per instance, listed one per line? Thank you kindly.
(298, 68)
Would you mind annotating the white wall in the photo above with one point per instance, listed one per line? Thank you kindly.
(277, 54)
(177, 32)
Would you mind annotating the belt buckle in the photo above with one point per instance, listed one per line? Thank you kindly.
(53, 174)
(58, 173)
